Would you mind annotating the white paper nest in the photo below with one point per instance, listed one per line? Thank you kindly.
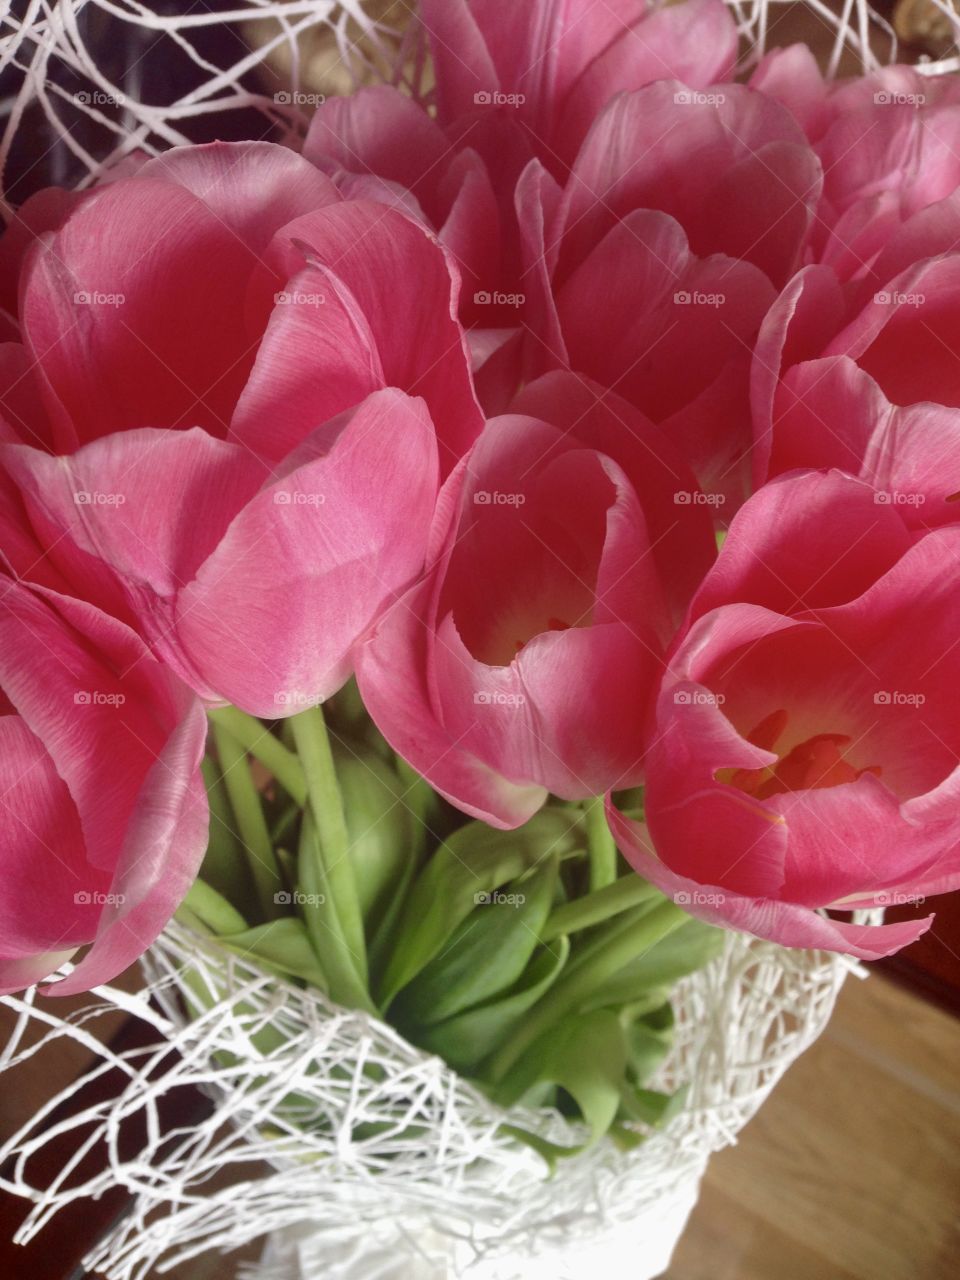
(386, 1161)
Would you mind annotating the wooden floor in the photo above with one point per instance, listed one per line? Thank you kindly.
(852, 1169)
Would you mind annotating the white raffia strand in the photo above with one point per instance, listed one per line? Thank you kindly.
(381, 1156)
(52, 38)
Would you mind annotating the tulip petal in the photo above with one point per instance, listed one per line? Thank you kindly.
(781, 922)
(272, 615)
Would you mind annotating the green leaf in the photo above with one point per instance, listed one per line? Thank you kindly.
(584, 1054)
(486, 953)
(283, 946)
(379, 830)
(212, 910)
(464, 1041)
(475, 859)
(649, 1040)
(324, 928)
(690, 947)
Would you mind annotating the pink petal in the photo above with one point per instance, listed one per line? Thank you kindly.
(392, 671)
(681, 534)
(271, 618)
(807, 541)
(365, 252)
(782, 922)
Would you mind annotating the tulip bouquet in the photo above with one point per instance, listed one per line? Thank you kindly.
(467, 559)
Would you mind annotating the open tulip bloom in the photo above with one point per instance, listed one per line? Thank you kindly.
(472, 557)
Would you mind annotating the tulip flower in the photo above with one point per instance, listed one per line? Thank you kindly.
(228, 410)
(554, 69)
(522, 663)
(806, 743)
(890, 147)
(871, 388)
(105, 813)
(652, 268)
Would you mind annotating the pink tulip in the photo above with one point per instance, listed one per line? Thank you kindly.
(807, 737)
(890, 147)
(105, 813)
(653, 267)
(553, 66)
(866, 383)
(227, 415)
(523, 662)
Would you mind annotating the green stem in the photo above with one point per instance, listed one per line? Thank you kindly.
(603, 850)
(320, 909)
(629, 937)
(326, 804)
(629, 891)
(252, 827)
(266, 747)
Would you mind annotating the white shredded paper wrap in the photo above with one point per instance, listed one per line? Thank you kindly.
(383, 1162)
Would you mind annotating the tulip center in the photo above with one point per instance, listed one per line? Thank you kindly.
(818, 761)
